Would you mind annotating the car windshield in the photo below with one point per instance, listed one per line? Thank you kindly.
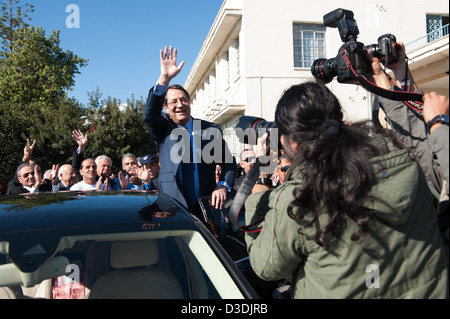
(159, 264)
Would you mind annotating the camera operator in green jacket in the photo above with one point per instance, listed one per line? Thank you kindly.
(425, 131)
(354, 217)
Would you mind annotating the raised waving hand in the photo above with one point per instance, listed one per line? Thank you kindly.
(169, 67)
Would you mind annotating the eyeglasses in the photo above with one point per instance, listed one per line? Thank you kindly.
(283, 168)
(183, 101)
(249, 159)
(27, 174)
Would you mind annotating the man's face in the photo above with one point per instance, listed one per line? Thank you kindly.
(26, 176)
(178, 106)
(67, 175)
(282, 168)
(153, 169)
(218, 173)
(128, 163)
(89, 170)
(247, 160)
(104, 168)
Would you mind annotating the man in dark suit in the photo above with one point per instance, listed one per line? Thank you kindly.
(67, 177)
(31, 181)
(189, 148)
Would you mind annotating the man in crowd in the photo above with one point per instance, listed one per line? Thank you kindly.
(104, 166)
(151, 164)
(88, 172)
(247, 158)
(30, 180)
(67, 177)
(103, 163)
(283, 166)
(128, 178)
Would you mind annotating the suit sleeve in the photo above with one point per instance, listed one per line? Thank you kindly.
(155, 122)
(77, 159)
(16, 190)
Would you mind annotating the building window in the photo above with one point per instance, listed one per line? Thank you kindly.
(437, 26)
(309, 44)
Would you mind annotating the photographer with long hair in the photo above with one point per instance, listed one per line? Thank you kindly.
(354, 217)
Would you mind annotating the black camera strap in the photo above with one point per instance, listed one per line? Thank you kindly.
(244, 191)
(411, 99)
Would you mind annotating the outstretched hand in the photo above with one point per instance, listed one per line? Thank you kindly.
(28, 151)
(54, 174)
(169, 68)
(80, 138)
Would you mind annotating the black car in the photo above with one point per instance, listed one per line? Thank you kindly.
(106, 245)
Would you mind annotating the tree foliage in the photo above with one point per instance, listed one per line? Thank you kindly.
(37, 69)
(12, 17)
(35, 76)
(116, 129)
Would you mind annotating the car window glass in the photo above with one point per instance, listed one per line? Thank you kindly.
(101, 267)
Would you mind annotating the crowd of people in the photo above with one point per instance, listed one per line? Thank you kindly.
(83, 173)
(344, 197)
(138, 173)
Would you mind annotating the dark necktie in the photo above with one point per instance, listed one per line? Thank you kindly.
(189, 176)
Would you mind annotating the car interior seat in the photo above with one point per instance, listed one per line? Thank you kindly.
(136, 274)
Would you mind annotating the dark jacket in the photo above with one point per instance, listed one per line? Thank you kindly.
(19, 189)
(160, 128)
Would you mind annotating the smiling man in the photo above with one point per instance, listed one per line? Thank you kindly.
(31, 181)
(89, 173)
(183, 177)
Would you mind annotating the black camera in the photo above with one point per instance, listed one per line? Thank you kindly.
(385, 50)
(351, 60)
(250, 128)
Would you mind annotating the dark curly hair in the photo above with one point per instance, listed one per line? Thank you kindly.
(332, 158)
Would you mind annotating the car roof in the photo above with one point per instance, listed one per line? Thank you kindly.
(77, 213)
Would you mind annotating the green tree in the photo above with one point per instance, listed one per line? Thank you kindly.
(12, 17)
(117, 128)
(37, 69)
(34, 79)
(35, 75)
(52, 130)
(14, 119)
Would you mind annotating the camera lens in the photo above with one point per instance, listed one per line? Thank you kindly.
(324, 70)
(251, 128)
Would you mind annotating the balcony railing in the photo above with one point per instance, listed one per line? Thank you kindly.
(430, 37)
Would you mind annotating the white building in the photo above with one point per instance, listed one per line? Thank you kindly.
(256, 49)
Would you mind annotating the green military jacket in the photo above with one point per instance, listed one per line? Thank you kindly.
(401, 256)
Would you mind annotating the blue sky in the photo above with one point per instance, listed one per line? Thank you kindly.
(122, 39)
